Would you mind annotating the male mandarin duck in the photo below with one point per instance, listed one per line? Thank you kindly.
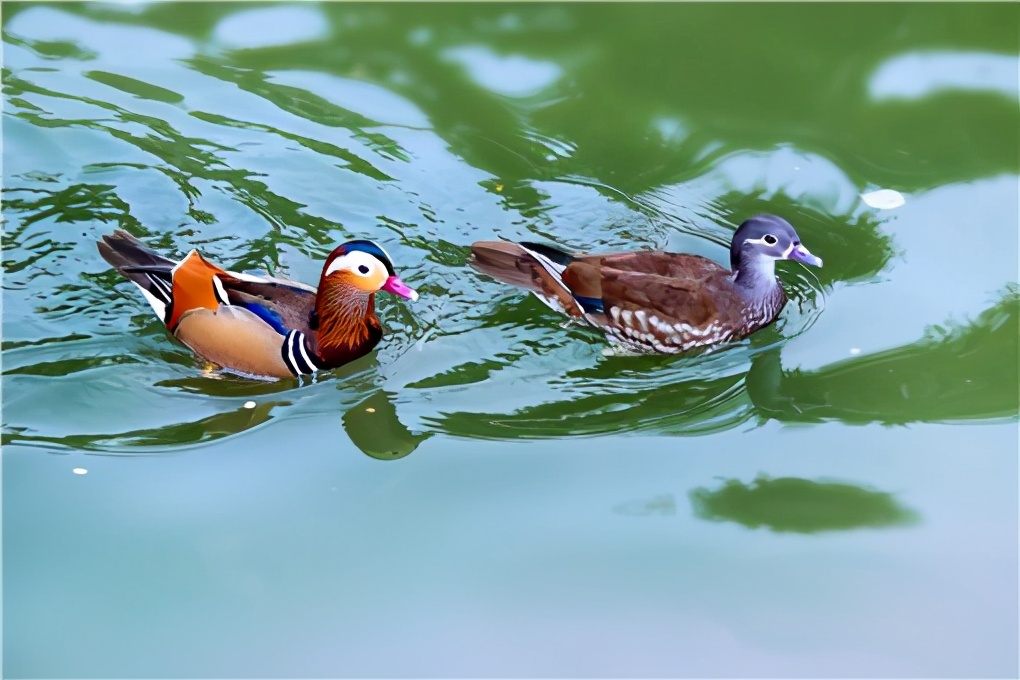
(262, 326)
(655, 301)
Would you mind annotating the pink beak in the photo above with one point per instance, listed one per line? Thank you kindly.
(397, 287)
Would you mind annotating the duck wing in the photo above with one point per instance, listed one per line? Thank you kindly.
(507, 262)
(283, 304)
(683, 287)
(663, 301)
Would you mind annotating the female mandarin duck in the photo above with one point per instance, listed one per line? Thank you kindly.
(657, 301)
(261, 326)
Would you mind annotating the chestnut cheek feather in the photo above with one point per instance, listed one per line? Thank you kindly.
(370, 284)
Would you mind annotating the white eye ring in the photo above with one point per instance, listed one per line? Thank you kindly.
(356, 262)
(769, 240)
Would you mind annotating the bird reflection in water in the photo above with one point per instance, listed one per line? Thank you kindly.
(792, 504)
(374, 428)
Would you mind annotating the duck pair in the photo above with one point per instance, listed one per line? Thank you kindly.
(649, 300)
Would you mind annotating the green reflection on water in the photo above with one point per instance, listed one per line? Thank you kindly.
(426, 127)
(374, 428)
(960, 372)
(534, 149)
(800, 505)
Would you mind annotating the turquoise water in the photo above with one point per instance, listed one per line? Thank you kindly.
(489, 494)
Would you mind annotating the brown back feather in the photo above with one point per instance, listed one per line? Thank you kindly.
(584, 279)
(678, 265)
(678, 286)
(669, 298)
(506, 262)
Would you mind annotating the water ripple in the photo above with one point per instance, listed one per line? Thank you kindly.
(266, 156)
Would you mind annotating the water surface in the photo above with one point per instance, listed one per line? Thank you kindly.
(490, 493)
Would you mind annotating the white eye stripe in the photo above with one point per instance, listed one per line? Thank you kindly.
(794, 246)
(353, 261)
(763, 241)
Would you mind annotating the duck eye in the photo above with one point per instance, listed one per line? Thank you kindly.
(770, 239)
(363, 269)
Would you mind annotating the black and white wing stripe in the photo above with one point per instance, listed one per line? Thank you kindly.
(555, 270)
(296, 356)
(158, 292)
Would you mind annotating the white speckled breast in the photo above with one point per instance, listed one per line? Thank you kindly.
(648, 331)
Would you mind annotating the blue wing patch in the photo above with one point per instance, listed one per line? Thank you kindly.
(270, 316)
(590, 304)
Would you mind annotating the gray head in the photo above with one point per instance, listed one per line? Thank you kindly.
(763, 239)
